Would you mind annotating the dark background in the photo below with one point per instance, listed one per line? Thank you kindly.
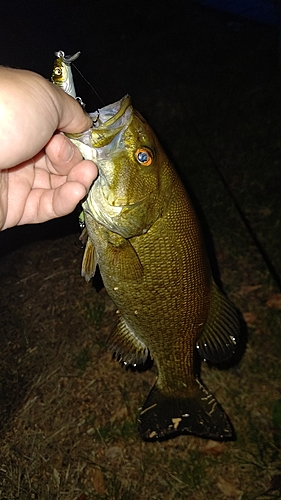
(207, 81)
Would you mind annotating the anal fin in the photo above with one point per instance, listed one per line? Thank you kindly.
(164, 417)
(126, 346)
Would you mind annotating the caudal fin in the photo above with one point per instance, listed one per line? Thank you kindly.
(201, 415)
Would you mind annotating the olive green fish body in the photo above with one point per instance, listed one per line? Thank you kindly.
(157, 294)
(144, 235)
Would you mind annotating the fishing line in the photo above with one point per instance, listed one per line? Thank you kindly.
(90, 85)
(217, 166)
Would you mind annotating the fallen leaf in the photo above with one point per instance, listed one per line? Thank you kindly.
(120, 414)
(245, 289)
(274, 301)
(56, 476)
(250, 318)
(98, 481)
(229, 489)
(214, 448)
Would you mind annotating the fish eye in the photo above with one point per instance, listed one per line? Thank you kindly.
(144, 156)
(58, 71)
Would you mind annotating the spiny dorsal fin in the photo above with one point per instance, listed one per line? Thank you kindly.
(220, 336)
(89, 262)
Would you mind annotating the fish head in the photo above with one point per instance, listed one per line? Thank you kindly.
(127, 196)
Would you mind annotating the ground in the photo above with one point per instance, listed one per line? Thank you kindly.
(68, 409)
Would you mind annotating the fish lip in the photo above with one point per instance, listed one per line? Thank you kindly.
(107, 116)
(109, 200)
(98, 202)
(109, 216)
(127, 206)
(120, 207)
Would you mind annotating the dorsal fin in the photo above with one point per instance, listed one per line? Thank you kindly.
(220, 336)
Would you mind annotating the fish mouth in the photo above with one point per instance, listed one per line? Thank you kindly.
(117, 202)
(110, 211)
(109, 115)
(110, 215)
(108, 123)
(103, 201)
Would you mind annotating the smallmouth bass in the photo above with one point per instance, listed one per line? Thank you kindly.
(144, 236)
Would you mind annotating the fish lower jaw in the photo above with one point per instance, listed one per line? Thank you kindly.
(101, 211)
(111, 201)
(105, 209)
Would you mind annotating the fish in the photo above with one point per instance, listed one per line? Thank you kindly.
(144, 235)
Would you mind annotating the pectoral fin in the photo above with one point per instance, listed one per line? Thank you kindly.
(89, 262)
(121, 254)
(126, 346)
(220, 336)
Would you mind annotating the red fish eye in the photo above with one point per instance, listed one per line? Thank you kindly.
(144, 156)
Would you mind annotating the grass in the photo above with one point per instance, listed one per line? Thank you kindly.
(95, 313)
(83, 359)
(112, 431)
(190, 474)
(79, 415)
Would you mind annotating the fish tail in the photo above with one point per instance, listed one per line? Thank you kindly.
(201, 415)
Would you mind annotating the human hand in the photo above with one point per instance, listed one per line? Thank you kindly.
(42, 176)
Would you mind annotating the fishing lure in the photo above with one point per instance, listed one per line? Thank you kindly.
(62, 74)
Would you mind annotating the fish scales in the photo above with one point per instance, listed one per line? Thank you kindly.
(144, 236)
(163, 281)
(158, 281)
